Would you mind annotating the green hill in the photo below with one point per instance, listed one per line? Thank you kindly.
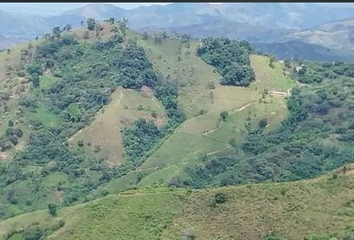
(285, 210)
(202, 99)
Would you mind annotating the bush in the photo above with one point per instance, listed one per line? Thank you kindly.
(224, 115)
(52, 209)
(33, 233)
(219, 198)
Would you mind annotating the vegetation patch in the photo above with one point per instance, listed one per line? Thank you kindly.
(231, 59)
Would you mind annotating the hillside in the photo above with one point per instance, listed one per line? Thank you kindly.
(291, 211)
(337, 35)
(134, 136)
(72, 118)
(205, 132)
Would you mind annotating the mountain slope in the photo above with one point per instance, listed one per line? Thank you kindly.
(283, 15)
(337, 35)
(303, 51)
(289, 211)
(332, 41)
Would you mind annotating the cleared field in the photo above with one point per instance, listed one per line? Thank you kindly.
(46, 81)
(212, 103)
(293, 211)
(43, 115)
(178, 62)
(270, 78)
(104, 135)
(234, 126)
(179, 146)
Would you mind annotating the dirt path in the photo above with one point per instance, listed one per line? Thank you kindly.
(232, 111)
(279, 93)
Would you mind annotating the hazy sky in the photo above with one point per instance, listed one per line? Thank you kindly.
(47, 9)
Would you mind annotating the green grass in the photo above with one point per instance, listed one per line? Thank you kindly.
(189, 71)
(234, 127)
(270, 78)
(294, 210)
(160, 176)
(46, 82)
(105, 131)
(43, 115)
(176, 149)
(53, 179)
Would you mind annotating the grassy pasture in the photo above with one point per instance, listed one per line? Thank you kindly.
(104, 133)
(270, 78)
(292, 210)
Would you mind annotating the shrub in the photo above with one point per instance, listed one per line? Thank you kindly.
(219, 198)
(52, 209)
(224, 115)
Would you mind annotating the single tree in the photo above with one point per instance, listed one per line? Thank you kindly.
(91, 24)
(67, 28)
(157, 39)
(224, 115)
(52, 209)
(111, 20)
(35, 80)
(86, 35)
(56, 32)
(263, 123)
(164, 35)
(145, 36)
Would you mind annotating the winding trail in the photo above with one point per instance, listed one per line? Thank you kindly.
(279, 93)
(232, 111)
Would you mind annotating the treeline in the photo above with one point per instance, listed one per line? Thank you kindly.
(315, 138)
(230, 58)
(315, 72)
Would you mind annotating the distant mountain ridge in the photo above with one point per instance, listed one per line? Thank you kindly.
(332, 41)
(260, 23)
